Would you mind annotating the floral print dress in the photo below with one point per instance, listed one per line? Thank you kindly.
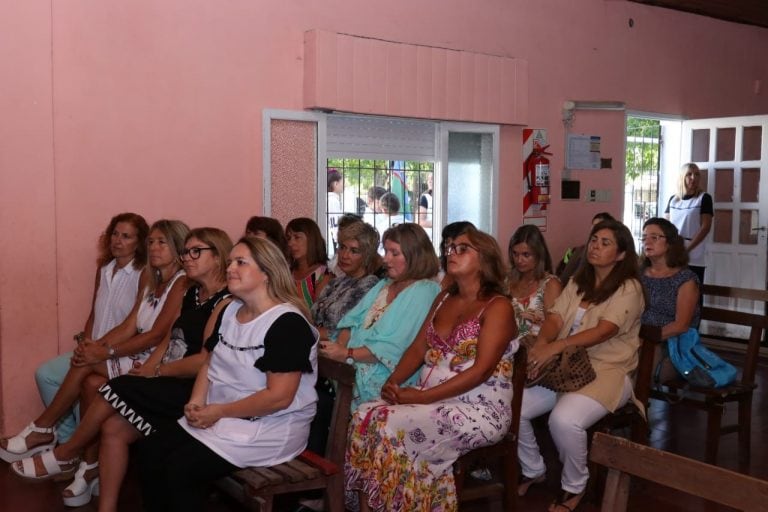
(531, 307)
(402, 456)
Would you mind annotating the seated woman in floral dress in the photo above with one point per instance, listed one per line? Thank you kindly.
(532, 285)
(402, 449)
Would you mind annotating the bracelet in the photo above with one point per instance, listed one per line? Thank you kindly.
(79, 337)
(157, 369)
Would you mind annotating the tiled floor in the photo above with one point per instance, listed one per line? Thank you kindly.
(675, 428)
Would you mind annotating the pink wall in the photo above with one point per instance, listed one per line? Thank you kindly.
(156, 107)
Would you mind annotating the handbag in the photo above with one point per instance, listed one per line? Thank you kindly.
(697, 364)
(568, 371)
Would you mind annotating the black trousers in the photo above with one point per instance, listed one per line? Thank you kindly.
(176, 470)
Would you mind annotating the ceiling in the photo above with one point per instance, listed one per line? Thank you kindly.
(750, 12)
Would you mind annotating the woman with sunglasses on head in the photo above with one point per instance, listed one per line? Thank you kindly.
(532, 285)
(120, 350)
(375, 333)
(402, 448)
(131, 406)
(119, 279)
(599, 310)
(450, 231)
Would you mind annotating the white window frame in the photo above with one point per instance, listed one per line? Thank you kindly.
(440, 190)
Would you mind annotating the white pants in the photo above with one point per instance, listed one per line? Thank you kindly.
(572, 414)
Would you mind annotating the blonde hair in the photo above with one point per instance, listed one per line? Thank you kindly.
(681, 180)
(175, 233)
(280, 284)
(368, 238)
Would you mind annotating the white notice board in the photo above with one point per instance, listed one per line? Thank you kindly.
(583, 152)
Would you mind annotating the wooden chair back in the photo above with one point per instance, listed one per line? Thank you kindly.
(624, 459)
(502, 455)
(713, 400)
(628, 415)
(256, 487)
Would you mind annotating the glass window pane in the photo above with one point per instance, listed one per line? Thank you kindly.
(723, 227)
(748, 227)
(700, 145)
(726, 144)
(750, 147)
(470, 175)
(750, 184)
(723, 185)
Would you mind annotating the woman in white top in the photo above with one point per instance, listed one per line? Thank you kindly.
(691, 211)
(254, 398)
(119, 278)
(122, 349)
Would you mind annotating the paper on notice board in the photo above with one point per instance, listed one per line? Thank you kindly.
(583, 152)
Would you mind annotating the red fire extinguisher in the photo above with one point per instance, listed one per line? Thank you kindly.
(537, 174)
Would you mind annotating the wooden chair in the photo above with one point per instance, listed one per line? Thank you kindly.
(714, 400)
(628, 415)
(256, 487)
(505, 451)
(624, 458)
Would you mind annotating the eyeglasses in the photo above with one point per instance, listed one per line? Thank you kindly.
(653, 238)
(194, 252)
(458, 249)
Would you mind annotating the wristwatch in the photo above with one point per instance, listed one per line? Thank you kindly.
(350, 356)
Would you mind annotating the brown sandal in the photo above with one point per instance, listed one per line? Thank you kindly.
(566, 496)
(527, 481)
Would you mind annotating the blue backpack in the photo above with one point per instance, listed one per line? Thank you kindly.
(697, 364)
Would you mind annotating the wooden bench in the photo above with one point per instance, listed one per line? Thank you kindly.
(624, 458)
(505, 485)
(257, 487)
(714, 400)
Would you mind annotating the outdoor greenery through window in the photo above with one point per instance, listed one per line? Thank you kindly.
(641, 186)
(382, 192)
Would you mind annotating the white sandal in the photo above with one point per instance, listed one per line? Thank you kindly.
(17, 445)
(52, 466)
(82, 490)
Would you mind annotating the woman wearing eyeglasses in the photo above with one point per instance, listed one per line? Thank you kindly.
(673, 289)
(375, 333)
(131, 406)
(402, 448)
(532, 285)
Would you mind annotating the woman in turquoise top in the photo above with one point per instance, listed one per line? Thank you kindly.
(374, 334)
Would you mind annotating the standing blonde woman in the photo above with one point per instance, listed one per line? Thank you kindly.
(691, 211)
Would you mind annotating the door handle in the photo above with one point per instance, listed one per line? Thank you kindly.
(761, 228)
